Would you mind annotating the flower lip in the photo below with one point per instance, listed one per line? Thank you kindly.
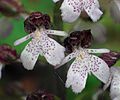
(84, 64)
(36, 20)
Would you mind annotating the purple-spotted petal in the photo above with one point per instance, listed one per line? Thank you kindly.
(30, 54)
(99, 68)
(115, 83)
(71, 10)
(23, 39)
(53, 51)
(68, 58)
(92, 10)
(77, 75)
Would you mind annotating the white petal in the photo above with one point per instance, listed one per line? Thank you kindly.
(68, 58)
(115, 84)
(109, 82)
(55, 32)
(30, 54)
(99, 68)
(98, 50)
(1, 66)
(56, 1)
(97, 3)
(77, 76)
(71, 10)
(53, 51)
(92, 10)
(23, 39)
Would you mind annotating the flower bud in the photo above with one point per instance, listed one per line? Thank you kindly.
(40, 95)
(78, 38)
(110, 58)
(7, 54)
(11, 7)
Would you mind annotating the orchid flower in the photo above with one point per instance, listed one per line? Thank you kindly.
(85, 63)
(41, 44)
(71, 9)
(114, 82)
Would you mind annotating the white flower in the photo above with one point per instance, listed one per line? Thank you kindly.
(114, 80)
(83, 65)
(43, 45)
(71, 9)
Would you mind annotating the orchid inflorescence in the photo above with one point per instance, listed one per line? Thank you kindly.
(37, 25)
(76, 46)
